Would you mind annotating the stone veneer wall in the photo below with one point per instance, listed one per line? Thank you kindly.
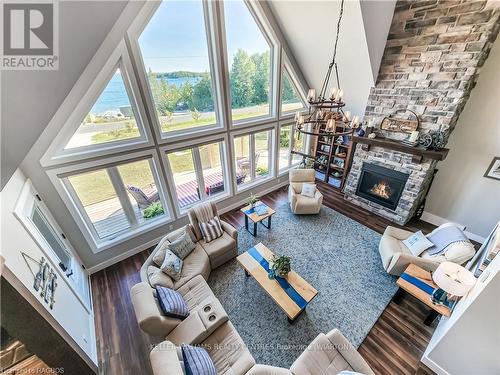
(431, 62)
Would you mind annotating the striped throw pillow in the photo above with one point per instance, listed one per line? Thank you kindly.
(171, 303)
(197, 361)
(211, 229)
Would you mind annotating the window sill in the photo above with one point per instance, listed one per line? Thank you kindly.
(175, 136)
(253, 184)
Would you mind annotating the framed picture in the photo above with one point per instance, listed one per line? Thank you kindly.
(493, 170)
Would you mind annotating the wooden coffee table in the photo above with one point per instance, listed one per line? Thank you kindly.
(292, 294)
(425, 277)
(250, 213)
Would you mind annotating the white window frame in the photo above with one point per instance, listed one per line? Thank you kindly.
(255, 181)
(56, 153)
(133, 34)
(79, 280)
(286, 67)
(291, 146)
(69, 196)
(275, 49)
(198, 170)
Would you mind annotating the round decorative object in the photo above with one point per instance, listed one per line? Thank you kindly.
(438, 139)
(425, 140)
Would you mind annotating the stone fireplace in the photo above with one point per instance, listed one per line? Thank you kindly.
(431, 62)
(381, 185)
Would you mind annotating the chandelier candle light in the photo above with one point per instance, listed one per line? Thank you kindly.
(326, 115)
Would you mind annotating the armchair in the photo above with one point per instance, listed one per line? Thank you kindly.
(299, 204)
(396, 256)
(330, 354)
(222, 249)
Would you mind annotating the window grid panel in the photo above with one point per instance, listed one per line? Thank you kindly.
(117, 182)
(251, 85)
(171, 88)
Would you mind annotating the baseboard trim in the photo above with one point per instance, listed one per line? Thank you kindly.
(122, 256)
(241, 202)
(107, 263)
(438, 220)
(433, 366)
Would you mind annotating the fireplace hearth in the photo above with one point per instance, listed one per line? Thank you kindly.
(381, 185)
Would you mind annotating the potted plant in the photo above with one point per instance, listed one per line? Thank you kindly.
(280, 266)
(153, 210)
(252, 200)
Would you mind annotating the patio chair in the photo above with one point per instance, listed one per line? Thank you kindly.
(143, 200)
(243, 164)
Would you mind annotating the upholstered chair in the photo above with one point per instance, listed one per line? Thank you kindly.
(330, 354)
(300, 204)
(396, 256)
(221, 249)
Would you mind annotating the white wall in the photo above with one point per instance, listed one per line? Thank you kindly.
(459, 192)
(377, 18)
(29, 99)
(468, 342)
(310, 28)
(67, 310)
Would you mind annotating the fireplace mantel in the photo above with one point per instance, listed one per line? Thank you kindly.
(418, 153)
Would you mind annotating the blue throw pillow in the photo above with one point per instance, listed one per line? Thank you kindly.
(171, 303)
(197, 361)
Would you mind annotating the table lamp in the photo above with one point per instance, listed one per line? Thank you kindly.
(452, 280)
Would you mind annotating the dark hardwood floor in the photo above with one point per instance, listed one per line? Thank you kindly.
(394, 345)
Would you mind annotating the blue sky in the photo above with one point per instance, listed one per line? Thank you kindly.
(175, 37)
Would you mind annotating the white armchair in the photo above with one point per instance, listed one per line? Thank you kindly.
(300, 204)
(396, 256)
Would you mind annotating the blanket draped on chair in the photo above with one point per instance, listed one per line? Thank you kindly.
(203, 212)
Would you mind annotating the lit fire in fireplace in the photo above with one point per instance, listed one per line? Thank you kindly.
(382, 189)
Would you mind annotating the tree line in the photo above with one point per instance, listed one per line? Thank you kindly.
(249, 80)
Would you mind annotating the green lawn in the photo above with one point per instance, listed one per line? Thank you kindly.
(94, 187)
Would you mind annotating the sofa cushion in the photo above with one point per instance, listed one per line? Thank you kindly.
(195, 292)
(172, 303)
(172, 265)
(417, 243)
(219, 247)
(308, 190)
(197, 361)
(228, 351)
(157, 277)
(182, 246)
(172, 236)
(211, 229)
(196, 263)
(159, 252)
(166, 358)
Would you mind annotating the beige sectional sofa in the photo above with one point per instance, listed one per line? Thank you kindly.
(208, 323)
(204, 258)
(327, 354)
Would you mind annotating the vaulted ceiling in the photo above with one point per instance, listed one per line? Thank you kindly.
(29, 99)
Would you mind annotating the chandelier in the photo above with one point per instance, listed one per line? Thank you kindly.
(326, 115)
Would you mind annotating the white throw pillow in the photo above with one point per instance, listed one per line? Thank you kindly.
(417, 243)
(308, 190)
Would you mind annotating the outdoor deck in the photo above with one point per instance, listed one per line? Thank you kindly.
(109, 218)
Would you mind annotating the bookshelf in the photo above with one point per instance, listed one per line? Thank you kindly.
(333, 155)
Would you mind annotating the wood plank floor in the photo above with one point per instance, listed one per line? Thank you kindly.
(394, 345)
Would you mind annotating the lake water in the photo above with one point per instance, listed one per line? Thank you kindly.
(115, 95)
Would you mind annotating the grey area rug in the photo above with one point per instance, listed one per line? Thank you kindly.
(335, 254)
